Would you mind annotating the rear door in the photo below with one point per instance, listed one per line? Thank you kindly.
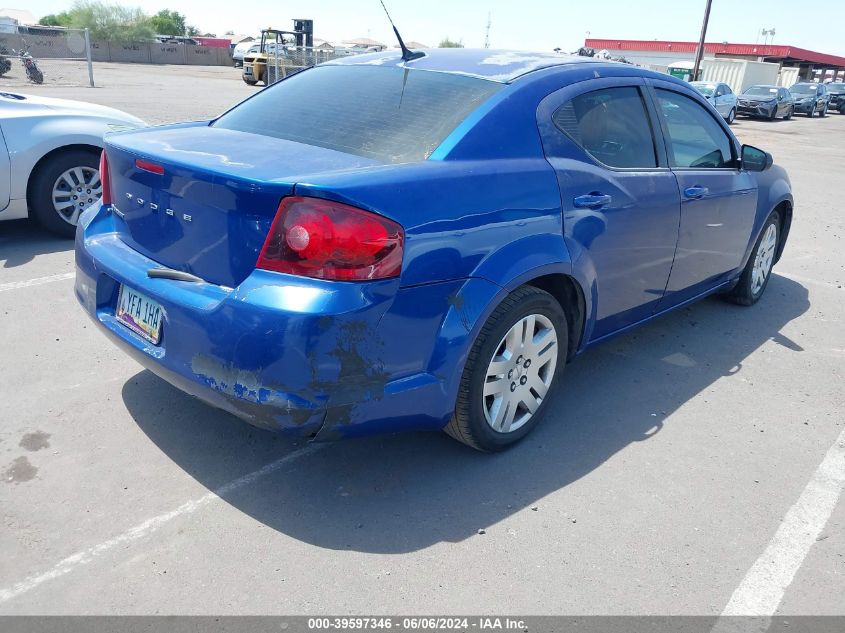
(5, 173)
(620, 201)
(718, 200)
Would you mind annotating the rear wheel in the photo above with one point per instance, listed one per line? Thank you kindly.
(510, 372)
(64, 186)
(758, 270)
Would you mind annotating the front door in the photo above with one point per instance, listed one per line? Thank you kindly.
(718, 199)
(620, 201)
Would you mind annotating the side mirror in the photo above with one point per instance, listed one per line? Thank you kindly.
(754, 159)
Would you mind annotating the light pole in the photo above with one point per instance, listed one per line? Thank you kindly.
(699, 53)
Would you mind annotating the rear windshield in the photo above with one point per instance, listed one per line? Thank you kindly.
(803, 89)
(386, 113)
(762, 91)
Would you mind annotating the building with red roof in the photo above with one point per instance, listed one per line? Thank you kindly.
(664, 53)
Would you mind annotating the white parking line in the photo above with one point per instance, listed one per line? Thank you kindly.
(149, 526)
(762, 589)
(15, 285)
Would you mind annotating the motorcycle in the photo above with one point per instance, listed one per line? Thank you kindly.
(33, 73)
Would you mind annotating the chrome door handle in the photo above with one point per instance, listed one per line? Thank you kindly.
(592, 201)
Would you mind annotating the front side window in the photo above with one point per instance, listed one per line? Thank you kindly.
(611, 125)
(694, 139)
(726, 90)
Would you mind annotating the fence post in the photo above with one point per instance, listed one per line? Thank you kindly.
(88, 55)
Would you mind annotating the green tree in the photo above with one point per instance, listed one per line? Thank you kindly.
(110, 21)
(447, 43)
(55, 19)
(167, 22)
(191, 31)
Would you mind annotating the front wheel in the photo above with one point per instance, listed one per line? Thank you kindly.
(789, 114)
(64, 186)
(511, 370)
(823, 112)
(755, 277)
(731, 116)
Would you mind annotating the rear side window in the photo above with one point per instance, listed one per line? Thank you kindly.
(694, 137)
(611, 125)
(386, 113)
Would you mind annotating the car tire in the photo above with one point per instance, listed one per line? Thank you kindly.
(249, 82)
(774, 115)
(751, 287)
(45, 182)
(789, 114)
(823, 111)
(731, 116)
(525, 372)
(811, 112)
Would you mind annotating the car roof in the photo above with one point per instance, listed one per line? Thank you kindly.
(502, 66)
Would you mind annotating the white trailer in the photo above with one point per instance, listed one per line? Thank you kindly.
(739, 74)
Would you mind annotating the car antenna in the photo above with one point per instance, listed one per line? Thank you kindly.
(407, 54)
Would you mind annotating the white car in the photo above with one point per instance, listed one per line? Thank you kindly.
(50, 157)
(720, 95)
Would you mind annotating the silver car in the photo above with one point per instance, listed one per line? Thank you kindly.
(50, 157)
(720, 95)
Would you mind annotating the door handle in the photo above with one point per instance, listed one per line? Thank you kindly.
(592, 201)
(696, 192)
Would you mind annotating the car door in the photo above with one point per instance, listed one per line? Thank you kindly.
(721, 101)
(5, 173)
(718, 199)
(620, 201)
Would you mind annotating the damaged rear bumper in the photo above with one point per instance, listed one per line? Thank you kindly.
(303, 356)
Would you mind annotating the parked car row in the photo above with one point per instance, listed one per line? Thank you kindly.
(774, 102)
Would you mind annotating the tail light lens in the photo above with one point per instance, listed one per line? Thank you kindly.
(319, 238)
(105, 179)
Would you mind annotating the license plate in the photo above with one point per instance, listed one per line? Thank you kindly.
(139, 313)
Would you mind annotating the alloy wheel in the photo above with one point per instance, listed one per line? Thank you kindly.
(74, 191)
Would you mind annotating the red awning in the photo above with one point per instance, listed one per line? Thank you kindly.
(744, 50)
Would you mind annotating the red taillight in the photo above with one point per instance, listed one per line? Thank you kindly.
(319, 238)
(149, 166)
(105, 179)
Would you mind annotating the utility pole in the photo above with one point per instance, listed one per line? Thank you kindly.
(487, 33)
(699, 53)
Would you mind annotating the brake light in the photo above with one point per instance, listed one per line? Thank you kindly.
(105, 179)
(319, 238)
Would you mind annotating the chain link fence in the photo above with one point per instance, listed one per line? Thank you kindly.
(286, 60)
(63, 57)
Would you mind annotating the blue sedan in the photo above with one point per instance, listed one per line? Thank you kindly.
(375, 245)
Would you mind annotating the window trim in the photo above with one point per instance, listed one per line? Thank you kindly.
(657, 84)
(620, 82)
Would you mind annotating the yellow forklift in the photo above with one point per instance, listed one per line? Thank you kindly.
(270, 51)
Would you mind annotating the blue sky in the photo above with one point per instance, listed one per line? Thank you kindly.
(533, 25)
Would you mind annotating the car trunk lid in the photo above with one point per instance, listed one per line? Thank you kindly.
(201, 200)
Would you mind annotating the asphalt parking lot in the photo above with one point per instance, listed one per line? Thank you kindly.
(689, 467)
